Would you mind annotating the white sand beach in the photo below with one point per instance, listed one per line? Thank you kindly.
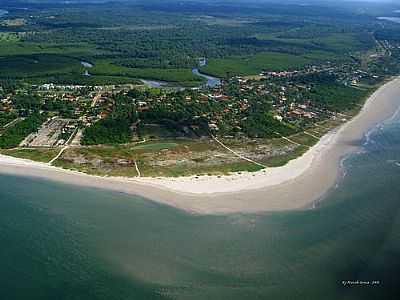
(293, 186)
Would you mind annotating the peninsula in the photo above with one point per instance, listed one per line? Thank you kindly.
(214, 122)
(296, 185)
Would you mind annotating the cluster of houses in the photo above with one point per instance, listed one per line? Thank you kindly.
(287, 99)
(6, 104)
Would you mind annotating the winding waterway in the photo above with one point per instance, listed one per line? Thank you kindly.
(211, 81)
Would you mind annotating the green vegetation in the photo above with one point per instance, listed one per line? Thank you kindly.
(283, 72)
(186, 157)
(337, 98)
(107, 131)
(263, 125)
(23, 47)
(38, 154)
(199, 170)
(250, 65)
(107, 68)
(119, 160)
(304, 139)
(281, 160)
(155, 146)
(8, 37)
(19, 66)
(81, 79)
(132, 41)
(14, 135)
(6, 118)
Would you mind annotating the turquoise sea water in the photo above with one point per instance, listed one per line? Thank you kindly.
(64, 242)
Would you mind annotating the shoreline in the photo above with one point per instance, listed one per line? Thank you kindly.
(296, 185)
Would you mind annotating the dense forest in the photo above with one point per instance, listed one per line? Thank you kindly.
(108, 131)
(129, 41)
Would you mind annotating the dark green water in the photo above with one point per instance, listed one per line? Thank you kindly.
(63, 242)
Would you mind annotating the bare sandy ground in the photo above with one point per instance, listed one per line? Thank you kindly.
(293, 186)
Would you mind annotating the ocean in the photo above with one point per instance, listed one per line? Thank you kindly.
(65, 242)
(3, 12)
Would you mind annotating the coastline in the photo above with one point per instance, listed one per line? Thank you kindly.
(296, 185)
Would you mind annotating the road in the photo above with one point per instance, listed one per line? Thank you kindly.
(64, 148)
(237, 154)
(13, 122)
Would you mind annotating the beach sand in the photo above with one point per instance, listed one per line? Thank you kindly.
(296, 185)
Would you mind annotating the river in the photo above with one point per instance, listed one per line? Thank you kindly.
(211, 81)
(154, 83)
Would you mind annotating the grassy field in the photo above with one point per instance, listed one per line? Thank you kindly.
(173, 158)
(155, 146)
(281, 160)
(304, 139)
(38, 154)
(198, 170)
(186, 157)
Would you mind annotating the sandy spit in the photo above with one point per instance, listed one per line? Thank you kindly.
(293, 186)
